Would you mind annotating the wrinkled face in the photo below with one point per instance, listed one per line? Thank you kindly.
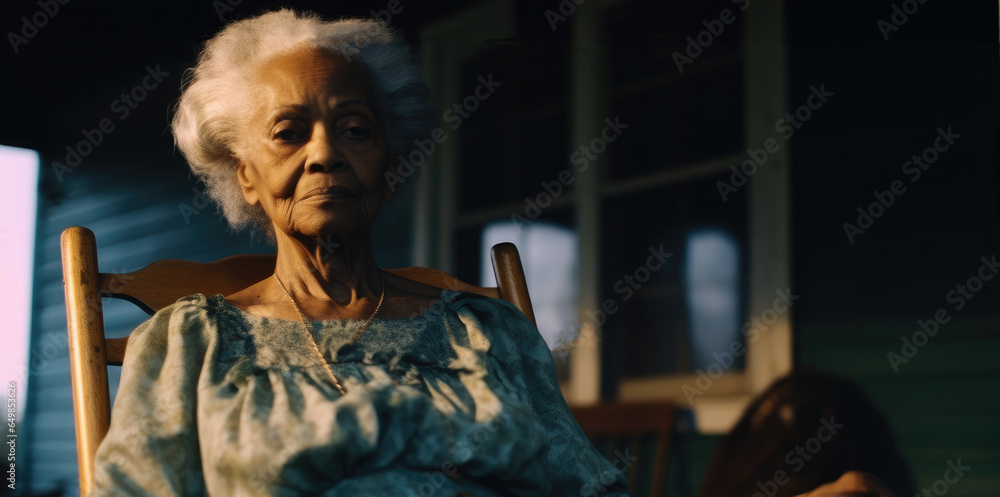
(313, 155)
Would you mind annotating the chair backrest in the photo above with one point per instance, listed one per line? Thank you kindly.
(619, 430)
(161, 284)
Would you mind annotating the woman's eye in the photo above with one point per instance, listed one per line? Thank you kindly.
(288, 135)
(357, 132)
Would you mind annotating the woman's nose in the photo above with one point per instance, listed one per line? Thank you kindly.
(324, 153)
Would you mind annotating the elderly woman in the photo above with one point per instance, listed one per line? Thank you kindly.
(331, 377)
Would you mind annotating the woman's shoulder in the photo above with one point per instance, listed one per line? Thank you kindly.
(500, 321)
(192, 319)
(480, 305)
(196, 305)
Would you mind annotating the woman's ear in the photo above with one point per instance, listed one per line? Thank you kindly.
(249, 193)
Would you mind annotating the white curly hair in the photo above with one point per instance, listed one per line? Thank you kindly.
(212, 108)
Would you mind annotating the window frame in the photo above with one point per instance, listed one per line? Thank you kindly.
(445, 44)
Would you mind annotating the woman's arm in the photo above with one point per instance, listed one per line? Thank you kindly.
(852, 483)
(575, 466)
(152, 445)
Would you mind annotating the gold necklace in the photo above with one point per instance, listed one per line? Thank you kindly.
(308, 329)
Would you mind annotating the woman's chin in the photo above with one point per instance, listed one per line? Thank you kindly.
(332, 220)
(330, 232)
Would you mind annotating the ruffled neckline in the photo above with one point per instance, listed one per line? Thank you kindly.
(219, 302)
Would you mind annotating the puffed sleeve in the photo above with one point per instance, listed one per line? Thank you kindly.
(575, 467)
(151, 448)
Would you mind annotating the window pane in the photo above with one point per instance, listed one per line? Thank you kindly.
(644, 37)
(651, 332)
(675, 118)
(550, 255)
(551, 261)
(711, 280)
(516, 138)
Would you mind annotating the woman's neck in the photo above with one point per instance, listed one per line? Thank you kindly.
(331, 270)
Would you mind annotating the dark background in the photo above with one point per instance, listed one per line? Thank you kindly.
(66, 78)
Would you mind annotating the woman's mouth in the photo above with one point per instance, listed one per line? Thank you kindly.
(333, 193)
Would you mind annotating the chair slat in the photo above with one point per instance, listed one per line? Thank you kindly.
(163, 282)
(441, 279)
(632, 470)
(115, 350)
(160, 284)
(513, 286)
(631, 421)
(625, 418)
(85, 326)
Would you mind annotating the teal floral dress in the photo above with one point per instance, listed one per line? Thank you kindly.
(459, 400)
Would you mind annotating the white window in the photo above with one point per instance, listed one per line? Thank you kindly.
(19, 169)
(549, 253)
(712, 294)
(650, 184)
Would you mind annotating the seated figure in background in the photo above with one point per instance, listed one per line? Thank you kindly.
(809, 434)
